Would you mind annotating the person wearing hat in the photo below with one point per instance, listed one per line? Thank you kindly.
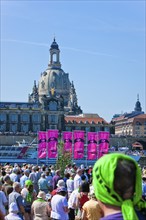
(59, 205)
(59, 184)
(13, 212)
(118, 187)
(40, 208)
(29, 195)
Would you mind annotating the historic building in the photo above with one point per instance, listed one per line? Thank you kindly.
(131, 124)
(52, 104)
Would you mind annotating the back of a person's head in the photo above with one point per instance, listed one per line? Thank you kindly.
(16, 185)
(125, 177)
(117, 182)
(84, 187)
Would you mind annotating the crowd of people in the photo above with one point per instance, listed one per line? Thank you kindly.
(115, 188)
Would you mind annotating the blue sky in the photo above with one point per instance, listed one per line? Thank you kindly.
(102, 46)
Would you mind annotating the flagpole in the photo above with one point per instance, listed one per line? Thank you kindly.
(37, 149)
(72, 148)
(47, 143)
(86, 149)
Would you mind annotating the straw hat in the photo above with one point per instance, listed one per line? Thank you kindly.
(41, 195)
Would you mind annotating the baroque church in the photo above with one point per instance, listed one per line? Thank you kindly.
(54, 83)
(53, 104)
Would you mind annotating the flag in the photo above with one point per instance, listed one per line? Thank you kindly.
(42, 144)
(78, 144)
(92, 145)
(103, 137)
(52, 136)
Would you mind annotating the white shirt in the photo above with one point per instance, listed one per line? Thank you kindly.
(12, 216)
(70, 185)
(73, 199)
(57, 204)
(3, 200)
(77, 181)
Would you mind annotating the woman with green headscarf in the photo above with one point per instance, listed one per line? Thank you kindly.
(29, 195)
(118, 187)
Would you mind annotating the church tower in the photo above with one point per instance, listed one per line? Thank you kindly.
(54, 78)
(138, 105)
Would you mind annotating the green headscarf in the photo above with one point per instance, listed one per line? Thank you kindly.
(103, 182)
(29, 194)
(28, 183)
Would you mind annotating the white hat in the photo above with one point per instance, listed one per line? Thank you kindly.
(41, 195)
(13, 207)
(60, 183)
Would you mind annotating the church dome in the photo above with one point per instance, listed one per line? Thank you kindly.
(57, 79)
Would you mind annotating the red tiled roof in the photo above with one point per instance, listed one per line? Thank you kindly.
(76, 119)
(143, 116)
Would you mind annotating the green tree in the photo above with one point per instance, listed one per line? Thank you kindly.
(64, 158)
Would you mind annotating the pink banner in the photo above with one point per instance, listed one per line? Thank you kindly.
(92, 146)
(103, 137)
(42, 144)
(52, 143)
(67, 139)
(78, 144)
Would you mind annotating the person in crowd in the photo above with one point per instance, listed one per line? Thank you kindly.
(49, 180)
(77, 178)
(73, 204)
(16, 197)
(60, 183)
(40, 208)
(14, 175)
(13, 212)
(52, 170)
(118, 187)
(7, 186)
(34, 179)
(59, 205)
(144, 187)
(82, 196)
(3, 200)
(24, 178)
(70, 184)
(43, 183)
(1, 216)
(29, 195)
(66, 177)
(55, 179)
(91, 209)
(39, 172)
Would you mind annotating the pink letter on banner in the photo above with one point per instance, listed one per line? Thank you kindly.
(67, 139)
(92, 146)
(42, 139)
(103, 143)
(52, 143)
(78, 144)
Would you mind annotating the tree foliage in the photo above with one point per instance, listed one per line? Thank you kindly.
(64, 158)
